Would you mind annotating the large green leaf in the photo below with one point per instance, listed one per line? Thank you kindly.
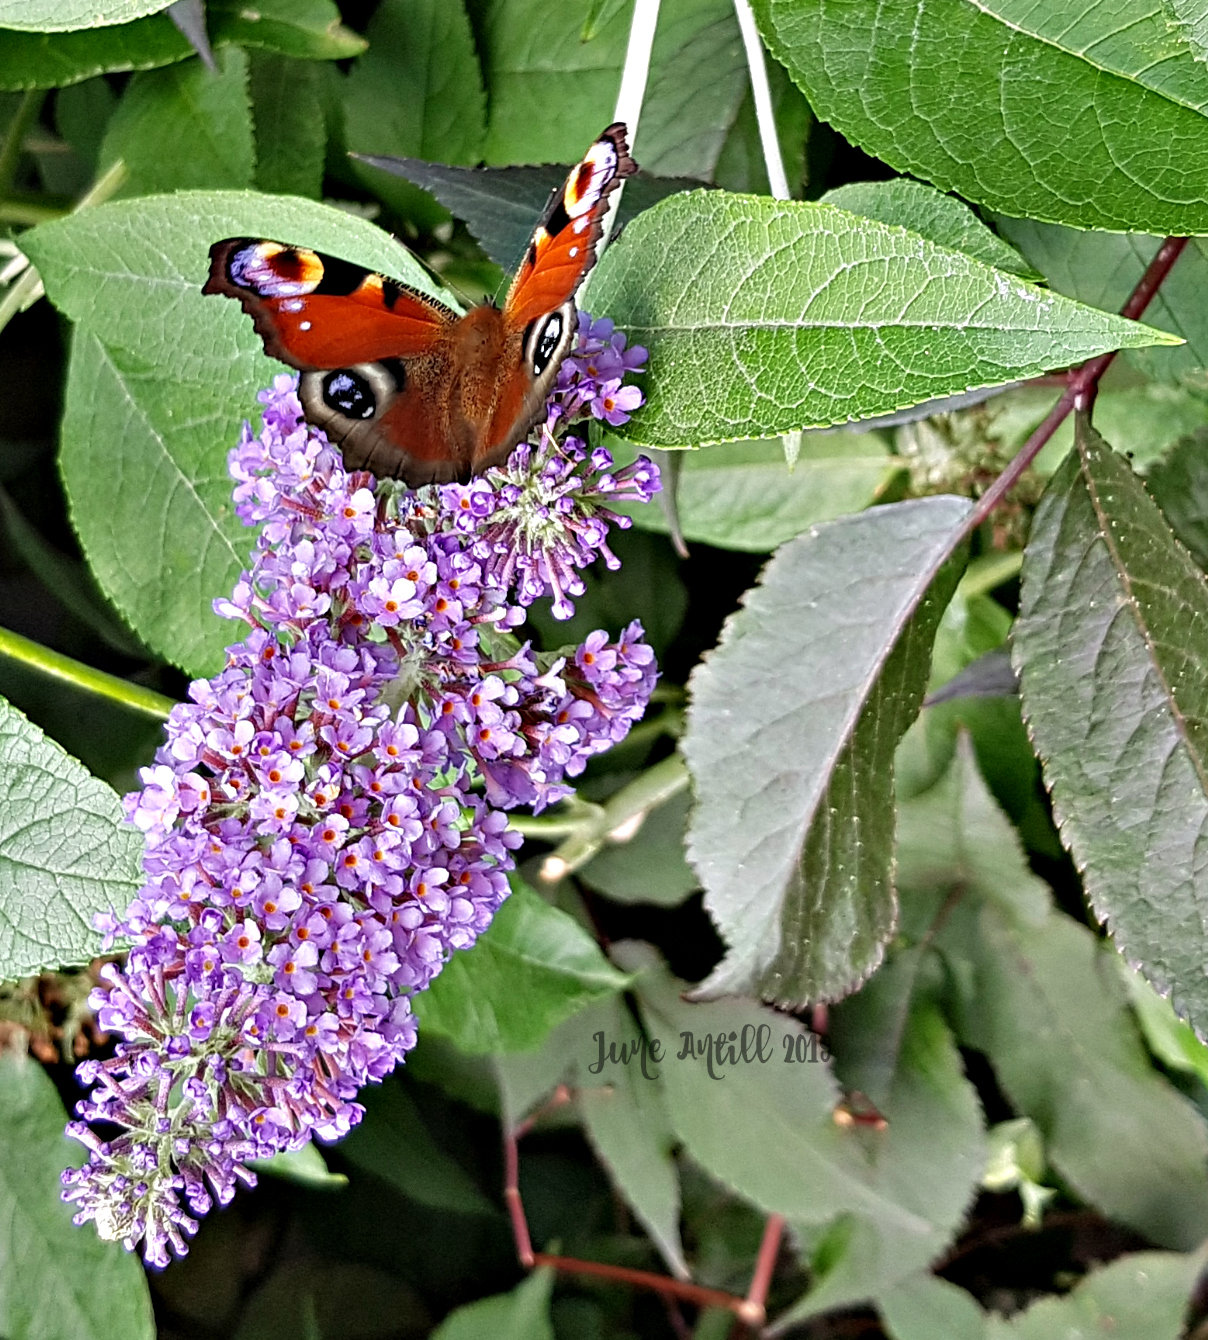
(765, 316)
(159, 381)
(1051, 1014)
(745, 496)
(1102, 269)
(730, 1066)
(56, 1280)
(790, 740)
(65, 853)
(184, 104)
(418, 91)
(1142, 1296)
(536, 58)
(290, 128)
(533, 969)
(1112, 649)
(310, 29)
(1031, 109)
(51, 16)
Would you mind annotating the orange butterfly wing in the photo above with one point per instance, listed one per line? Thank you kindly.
(563, 248)
(404, 385)
(538, 313)
(314, 311)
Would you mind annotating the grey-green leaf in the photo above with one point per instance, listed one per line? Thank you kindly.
(1051, 1015)
(1039, 110)
(765, 316)
(144, 440)
(1112, 649)
(791, 734)
(1142, 1296)
(534, 968)
(65, 853)
(161, 110)
(51, 16)
(941, 218)
(522, 1314)
(58, 1280)
(744, 496)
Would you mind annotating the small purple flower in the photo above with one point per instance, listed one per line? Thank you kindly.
(315, 845)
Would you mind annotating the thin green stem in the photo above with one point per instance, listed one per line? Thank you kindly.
(83, 677)
(23, 292)
(26, 213)
(14, 137)
(619, 818)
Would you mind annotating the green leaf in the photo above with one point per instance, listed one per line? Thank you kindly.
(1179, 485)
(65, 853)
(766, 316)
(624, 1119)
(418, 91)
(1102, 269)
(954, 839)
(534, 58)
(796, 858)
(50, 60)
(50, 16)
(794, 1159)
(309, 29)
(744, 496)
(288, 117)
(58, 1280)
(522, 1314)
(698, 79)
(940, 218)
(393, 1143)
(1143, 1296)
(931, 1154)
(925, 1307)
(183, 104)
(1166, 1035)
(537, 57)
(651, 867)
(534, 968)
(120, 421)
(130, 273)
(1049, 1011)
(1113, 660)
(1006, 124)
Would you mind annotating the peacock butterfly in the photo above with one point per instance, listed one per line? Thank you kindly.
(402, 383)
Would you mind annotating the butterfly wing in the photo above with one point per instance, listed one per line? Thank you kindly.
(539, 311)
(563, 247)
(373, 353)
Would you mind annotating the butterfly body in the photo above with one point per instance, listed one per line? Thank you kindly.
(405, 385)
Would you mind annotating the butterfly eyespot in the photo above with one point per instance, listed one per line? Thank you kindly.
(349, 394)
(544, 341)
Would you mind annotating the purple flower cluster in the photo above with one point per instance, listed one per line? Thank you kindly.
(325, 820)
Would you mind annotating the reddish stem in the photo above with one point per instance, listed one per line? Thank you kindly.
(750, 1311)
(1081, 385)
